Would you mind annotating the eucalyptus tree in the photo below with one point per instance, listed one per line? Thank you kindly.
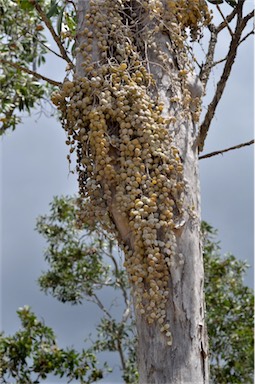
(130, 103)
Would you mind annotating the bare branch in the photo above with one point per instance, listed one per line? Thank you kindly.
(248, 17)
(95, 299)
(206, 68)
(226, 150)
(44, 45)
(225, 20)
(30, 72)
(231, 55)
(219, 62)
(246, 36)
(53, 33)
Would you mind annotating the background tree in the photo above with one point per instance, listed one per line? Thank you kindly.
(228, 302)
(32, 353)
(82, 264)
(165, 158)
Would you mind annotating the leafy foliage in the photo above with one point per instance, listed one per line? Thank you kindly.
(23, 48)
(20, 31)
(79, 268)
(114, 336)
(229, 314)
(32, 353)
(74, 256)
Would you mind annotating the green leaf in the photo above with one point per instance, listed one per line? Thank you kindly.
(232, 3)
(53, 11)
(71, 22)
(59, 20)
(73, 48)
(26, 5)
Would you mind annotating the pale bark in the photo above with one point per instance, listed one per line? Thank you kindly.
(186, 361)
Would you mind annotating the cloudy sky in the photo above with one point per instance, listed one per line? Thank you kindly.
(34, 169)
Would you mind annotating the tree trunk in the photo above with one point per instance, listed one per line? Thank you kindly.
(186, 361)
(179, 355)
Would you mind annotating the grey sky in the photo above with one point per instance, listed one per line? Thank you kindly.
(35, 169)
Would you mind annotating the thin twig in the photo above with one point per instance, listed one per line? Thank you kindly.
(225, 20)
(248, 17)
(206, 68)
(246, 36)
(226, 150)
(44, 45)
(121, 353)
(231, 56)
(30, 72)
(53, 33)
(219, 62)
(97, 301)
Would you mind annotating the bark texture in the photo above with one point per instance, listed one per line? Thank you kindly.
(186, 361)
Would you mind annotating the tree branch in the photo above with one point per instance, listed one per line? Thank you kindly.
(41, 42)
(219, 62)
(44, 45)
(226, 150)
(246, 36)
(121, 353)
(30, 72)
(231, 55)
(206, 68)
(248, 17)
(53, 33)
(95, 299)
(225, 20)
